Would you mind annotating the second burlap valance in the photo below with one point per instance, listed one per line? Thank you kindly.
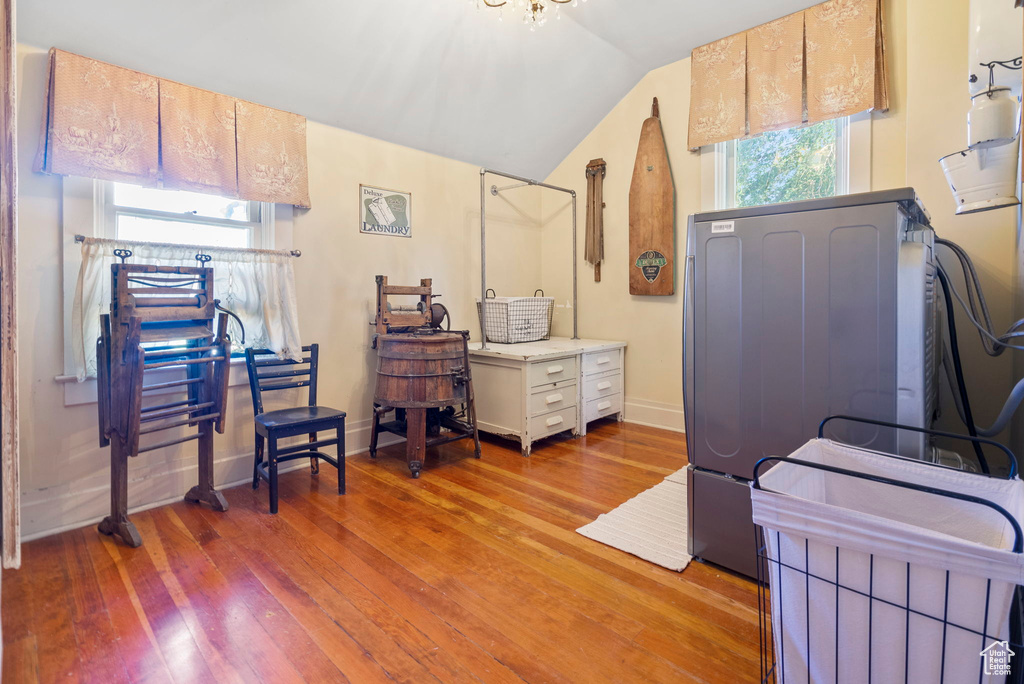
(823, 63)
(107, 122)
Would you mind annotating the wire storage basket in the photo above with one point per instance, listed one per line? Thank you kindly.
(510, 320)
(877, 568)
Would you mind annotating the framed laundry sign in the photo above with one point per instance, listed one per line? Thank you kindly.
(385, 212)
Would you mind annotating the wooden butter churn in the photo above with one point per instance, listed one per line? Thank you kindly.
(423, 375)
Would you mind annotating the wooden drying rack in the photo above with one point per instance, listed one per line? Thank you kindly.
(160, 317)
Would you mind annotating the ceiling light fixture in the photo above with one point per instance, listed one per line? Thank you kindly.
(535, 12)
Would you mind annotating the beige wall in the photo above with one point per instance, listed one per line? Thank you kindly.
(651, 325)
(927, 120)
(936, 116)
(64, 472)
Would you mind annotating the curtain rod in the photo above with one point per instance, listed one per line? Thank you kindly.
(293, 252)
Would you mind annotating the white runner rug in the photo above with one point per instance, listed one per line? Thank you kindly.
(651, 525)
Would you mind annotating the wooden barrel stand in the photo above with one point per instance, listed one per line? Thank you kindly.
(423, 377)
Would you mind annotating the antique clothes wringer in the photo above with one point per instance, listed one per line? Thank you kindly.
(423, 375)
(160, 317)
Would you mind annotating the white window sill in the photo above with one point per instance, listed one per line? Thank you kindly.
(79, 393)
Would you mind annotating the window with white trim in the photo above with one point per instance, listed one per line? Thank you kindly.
(138, 214)
(822, 160)
(785, 166)
(111, 210)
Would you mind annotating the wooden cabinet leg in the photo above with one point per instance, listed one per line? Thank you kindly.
(204, 491)
(117, 522)
(416, 439)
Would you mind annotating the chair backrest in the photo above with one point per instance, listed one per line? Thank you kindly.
(270, 373)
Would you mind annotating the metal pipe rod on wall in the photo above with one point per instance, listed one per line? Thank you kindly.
(528, 181)
(483, 242)
(483, 260)
(495, 190)
(575, 317)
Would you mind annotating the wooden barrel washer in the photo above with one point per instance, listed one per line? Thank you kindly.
(423, 376)
(418, 371)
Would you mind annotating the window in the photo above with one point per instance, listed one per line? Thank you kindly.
(825, 159)
(132, 212)
(104, 209)
(139, 214)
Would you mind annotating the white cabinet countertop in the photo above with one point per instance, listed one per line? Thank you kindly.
(542, 349)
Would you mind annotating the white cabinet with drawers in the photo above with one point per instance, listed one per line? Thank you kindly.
(537, 389)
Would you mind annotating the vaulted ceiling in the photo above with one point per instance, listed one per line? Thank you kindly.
(435, 75)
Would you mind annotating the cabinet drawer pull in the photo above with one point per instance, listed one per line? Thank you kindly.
(554, 369)
(553, 398)
(603, 360)
(554, 421)
(604, 405)
(604, 385)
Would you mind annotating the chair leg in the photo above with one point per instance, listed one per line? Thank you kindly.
(257, 461)
(314, 462)
(341, 456)
(272, 470)
(374, 426)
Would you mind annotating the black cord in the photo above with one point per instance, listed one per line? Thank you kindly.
(954, 349)
(229, 312)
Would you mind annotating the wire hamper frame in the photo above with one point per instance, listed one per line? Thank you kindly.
(917, 624)
(511, 320)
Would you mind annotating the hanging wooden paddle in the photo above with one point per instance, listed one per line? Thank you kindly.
(652, 213)
(594, 248)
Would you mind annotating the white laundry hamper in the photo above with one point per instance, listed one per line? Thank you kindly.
(884, 569)
(511, 320)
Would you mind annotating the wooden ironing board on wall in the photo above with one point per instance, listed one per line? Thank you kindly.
(652, 214)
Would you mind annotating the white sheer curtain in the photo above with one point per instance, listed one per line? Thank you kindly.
(256, 285)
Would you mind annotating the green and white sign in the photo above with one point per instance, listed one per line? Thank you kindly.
(650, 264)
(385, 212)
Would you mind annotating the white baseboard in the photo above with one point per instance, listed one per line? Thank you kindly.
(655, 414)
(87, 500)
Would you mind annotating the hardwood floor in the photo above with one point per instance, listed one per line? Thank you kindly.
(471, 573)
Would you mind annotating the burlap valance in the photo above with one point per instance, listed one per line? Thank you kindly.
(112, 123)
(822, 63)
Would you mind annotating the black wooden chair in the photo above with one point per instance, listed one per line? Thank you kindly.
(270, 374)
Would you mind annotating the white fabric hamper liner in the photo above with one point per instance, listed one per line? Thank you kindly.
(900, 546)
